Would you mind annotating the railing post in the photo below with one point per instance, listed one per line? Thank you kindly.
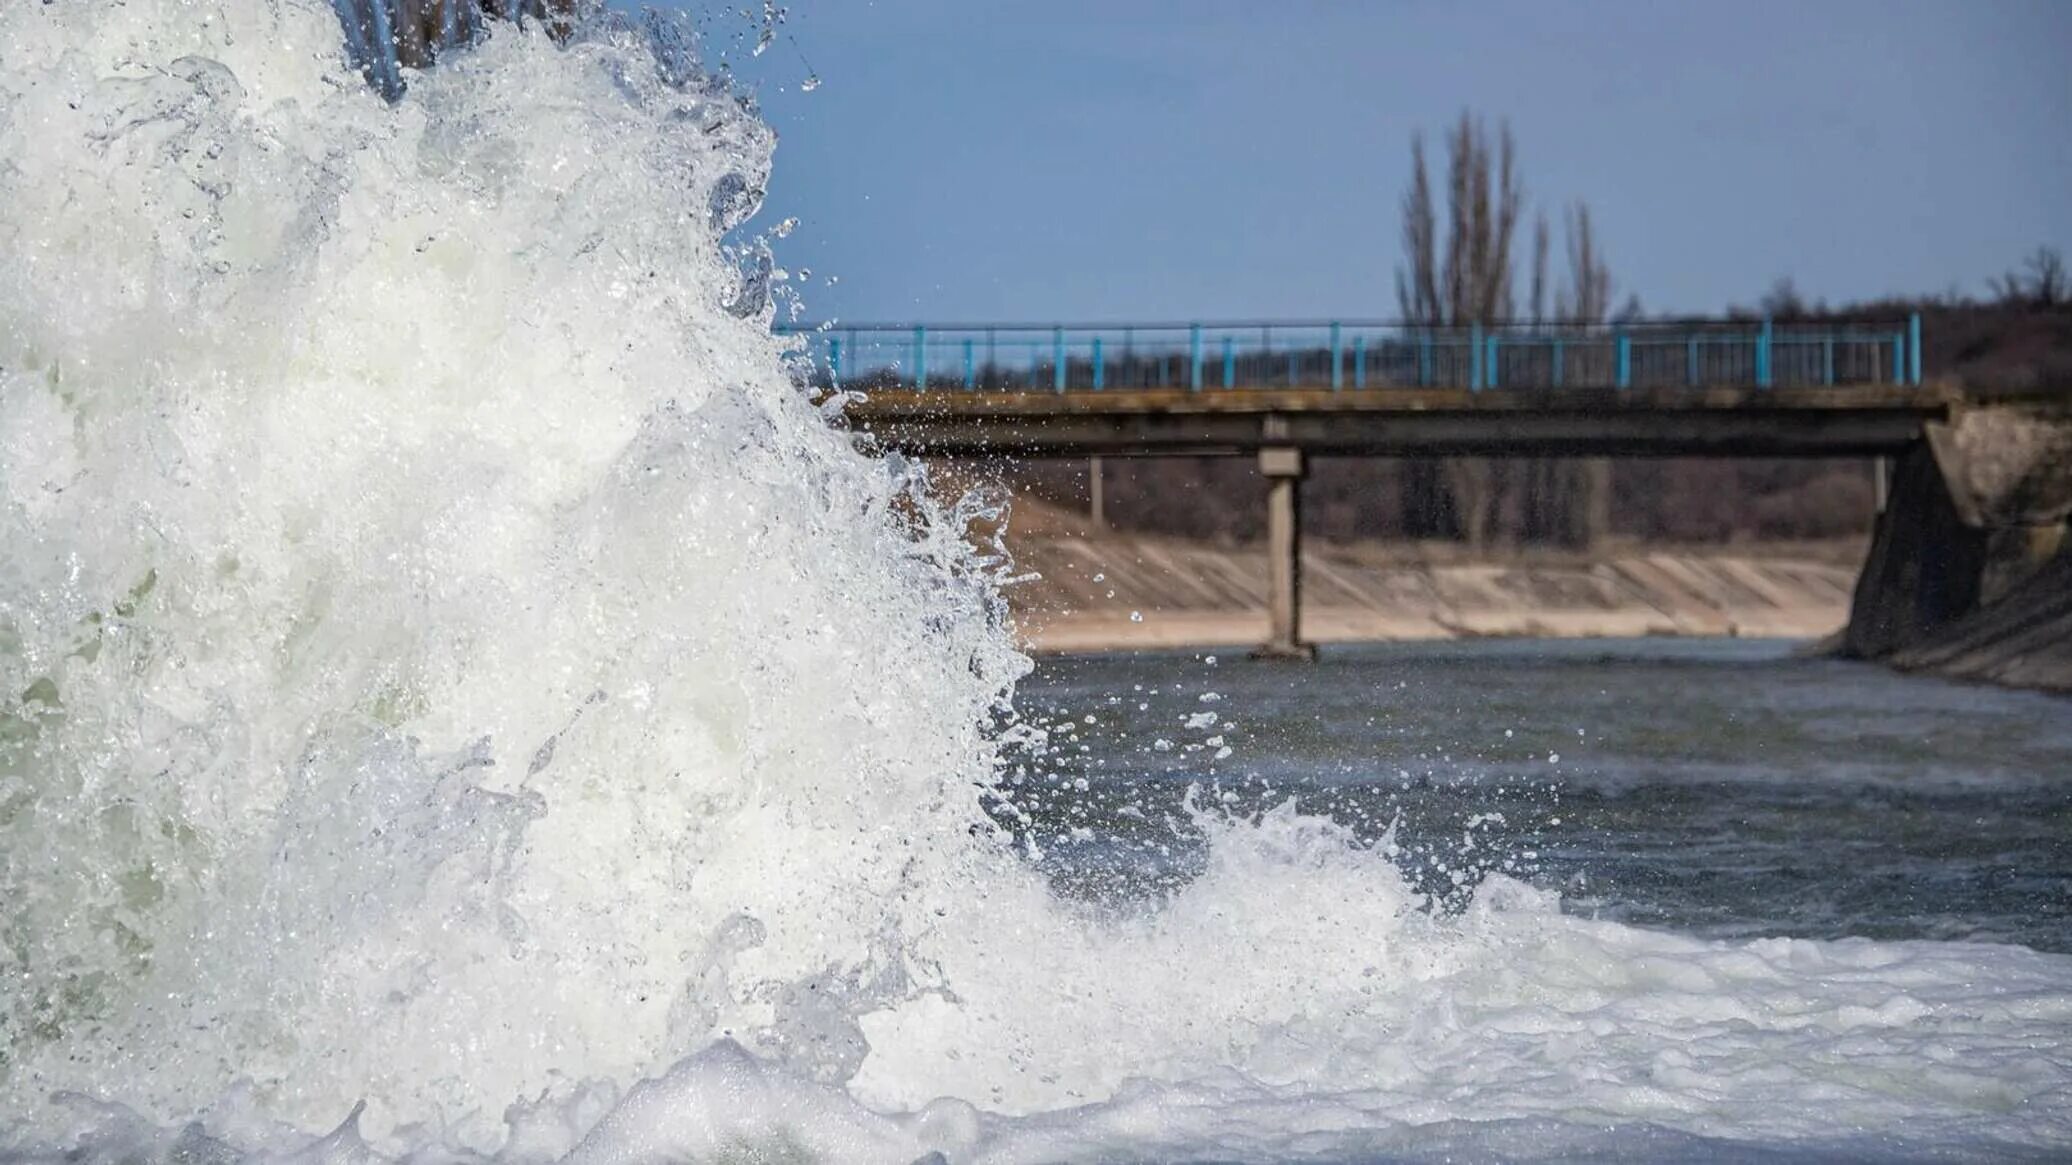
(1057, 350)
(1097, 364)
(1691, 361)
(1424, 358)
(1337, 358)
(1492, 374)
(920, 358)
(1624, 343)
(1475, 357)
(1560, 360)
(1360, 360)
(1827, 360)
(1914, 348)
(1229, 363)
(970, 365)
(834, 361)
(1194, 357)
(1762, 355)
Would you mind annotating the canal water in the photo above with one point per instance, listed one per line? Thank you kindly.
(1720, 788)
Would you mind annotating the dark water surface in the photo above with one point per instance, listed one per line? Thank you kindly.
(1717, 787)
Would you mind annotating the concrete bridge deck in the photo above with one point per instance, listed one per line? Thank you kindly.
(1842, 421)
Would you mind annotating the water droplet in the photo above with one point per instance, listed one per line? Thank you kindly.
(767, 35)
(1135, 616)
(811, 83)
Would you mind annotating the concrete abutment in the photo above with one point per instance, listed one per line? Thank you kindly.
(1970, 571)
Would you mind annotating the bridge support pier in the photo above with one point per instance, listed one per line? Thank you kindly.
(1282, 467)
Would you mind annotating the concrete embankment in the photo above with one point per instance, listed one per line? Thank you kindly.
(1970, 570)
(1104, 592)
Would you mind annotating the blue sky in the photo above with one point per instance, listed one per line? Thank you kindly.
(1208, 159)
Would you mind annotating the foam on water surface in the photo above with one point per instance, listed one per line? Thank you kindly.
(447, 668)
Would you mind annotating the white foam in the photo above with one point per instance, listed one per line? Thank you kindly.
(529, 683)
(450, 668)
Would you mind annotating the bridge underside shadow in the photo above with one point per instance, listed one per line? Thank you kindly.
(1869, 421)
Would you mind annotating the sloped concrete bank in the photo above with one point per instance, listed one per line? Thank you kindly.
(1108, 592)
(2023, 640)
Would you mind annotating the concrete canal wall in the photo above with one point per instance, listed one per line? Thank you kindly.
(1099, 591)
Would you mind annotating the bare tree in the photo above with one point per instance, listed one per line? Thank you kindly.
(1569, 501)
(1783, 300)
(1539, 270)
(1469, 283)
(1483, 199)
(2047, 277)
(1427, 506)
(1486, 194)
(1588, 297)
(1417, 284)
(2042, 282)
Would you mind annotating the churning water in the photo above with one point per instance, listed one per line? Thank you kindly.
(458, 699)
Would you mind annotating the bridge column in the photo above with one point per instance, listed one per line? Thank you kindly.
(1282, 467)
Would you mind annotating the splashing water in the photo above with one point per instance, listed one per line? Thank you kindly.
(452, 684)
(428, 599)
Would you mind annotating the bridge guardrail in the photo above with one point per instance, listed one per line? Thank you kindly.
(1358, 355)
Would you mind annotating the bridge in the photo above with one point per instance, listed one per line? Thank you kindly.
(1747, 388)
(1284, 391)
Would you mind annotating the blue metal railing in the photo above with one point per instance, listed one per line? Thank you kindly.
(1359, 355)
